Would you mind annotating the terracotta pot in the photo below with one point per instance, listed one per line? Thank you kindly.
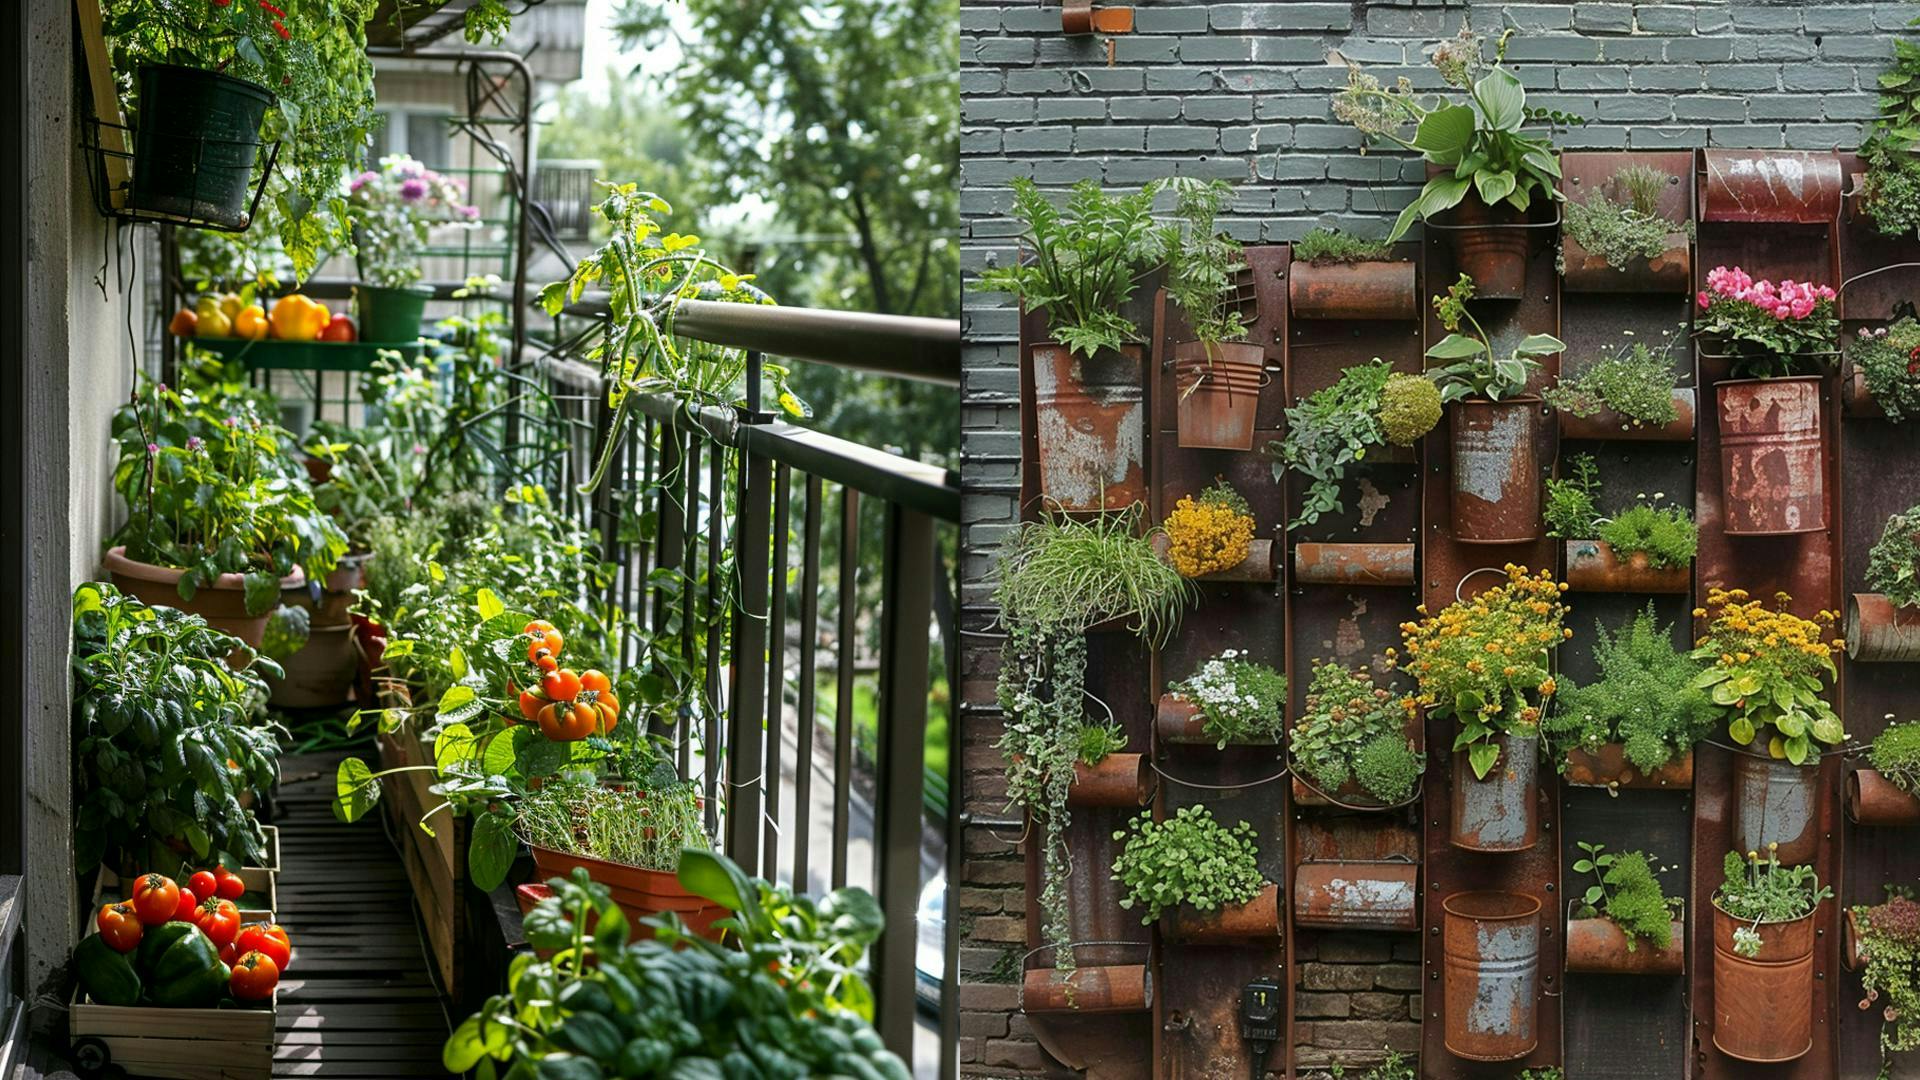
(1261, 918)
(1608, 767)
(1607, 424)
(1593, 566)
(640, 893)
(1090, 415)
(223, 604)
(1502, 812)
(1217, 398)
(1872, 799)
(1773, 456)
(1357, 895)
(1491, 951)
(1763, 1005)
(318, 470)
(321, 674)
(1667, 272)
(1598, 946)
(1120, 988)
(1496, 473)
(1776, 802)
(1123, 780)
(1797, 186)
(1353, 564)
(1489, 245)
(1878, 632)
(1360, 291)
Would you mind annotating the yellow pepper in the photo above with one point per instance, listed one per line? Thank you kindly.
(298, 318)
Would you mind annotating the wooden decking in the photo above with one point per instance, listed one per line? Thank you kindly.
(359, 1001)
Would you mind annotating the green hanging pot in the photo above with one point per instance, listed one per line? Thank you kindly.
(391, 315)
(195, 144)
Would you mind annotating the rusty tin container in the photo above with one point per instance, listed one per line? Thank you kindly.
(1607, 766)
(1259, 919)
(1799, 187)
(1496, 470)
(1090, 415)
(1259, 565)
(1492, 967)
(1872, 799)
(1855, 398)
(1362, 290)
(1776, 802)
(1353, 564)
(1490, 245)
(1357, 895)
(1763, 1005)
(1593, 566)
(1178, 720)
(1218, 395)
(1598, 946)
(1667, 272)
(1607, 424)
(1851, 957)
(1773, 456)
(1879, 632)
(1122, 988)
(1502, 812)
(1123, 780)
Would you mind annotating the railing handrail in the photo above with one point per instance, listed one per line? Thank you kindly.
(900, 346)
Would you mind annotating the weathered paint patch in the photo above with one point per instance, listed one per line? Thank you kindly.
(1503, 995)
(1775, 804)
(1483, 455)
(1496, 813)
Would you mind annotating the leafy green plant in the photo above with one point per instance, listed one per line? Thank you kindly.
(1621, 221)
(1324, 247)
(1202, 262)
(1068, 575)
(1888, 358)
(1665, 534)
(1890, 191)
(1371, 405)
(644, 828)
(1626, 891)
(1759, 890)
(1645, 698)
(1895, 754)
(1633, 381)
(1042, 694)
(1086, 262)
(1765, 673)
(158, 714)
(788, 1003)
(1475, 371)
(1242, 701)
(1477, 143)
(1568, 510)
(1352, 730)
(1393, 1066)
(1187, 859)
(1098, 740)
(1888, 938)
(1893, 563)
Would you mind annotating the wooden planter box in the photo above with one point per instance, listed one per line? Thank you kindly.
(1608, 767)
(262, 898)
(436, 865)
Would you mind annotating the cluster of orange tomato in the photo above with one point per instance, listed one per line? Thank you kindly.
(568, 705)
(257, 953)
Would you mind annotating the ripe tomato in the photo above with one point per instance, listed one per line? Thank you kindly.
(120, 925)
(203, 884)
(595, 679)
(183, 324)
(189, 900)
(537, 626)
(531, 702)
(254, 977)
(540, 633)
(564, 721)
(545, 661)
(155, 898)
(338, 328)
(267, 938)
(537, 651)
(218, 919)
(560, 685)
(228, 884)
(230, 953)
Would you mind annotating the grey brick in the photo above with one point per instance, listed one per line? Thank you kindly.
(1743, 77)
(1430, 22)
(1838, 19)
(1874, 50)
(1235, 140)
(1044, 81)
(998, 50)
(1170, 20)
(996, 110)
(1096, 139)
(1253, 80)
(1593, 77)
(1822, 136)
(974, 82)
(1325, 137)
(1897, 16)
(1132, 172)
(1074, 108)
(1663, 18)
(1816, 77)
(1152, 50)
(1178, 80)
(1534, 18)
(1566, 47)
(1784, 107)
(1713, 20)
(1603, 18)
(1633, 50)
(1850, 106)
(1039, 140)
(1707, 109)
(1768, 19)
(1290, 50)
(1205, 50)
(1220, 168)
(987, 20)
(1641, 107)
(1161, 140)
(1293, 107)
(1751, 137)
(1065, 171)
(1218, 110)
(1666, 76)
(1776, 47)
(980, 141)
(1702, 50)
(1030, 20)
(1145, 108)
(1102, 80)
(1288, 16)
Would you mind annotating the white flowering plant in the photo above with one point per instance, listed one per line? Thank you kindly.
(1242, 701)
(394, 210)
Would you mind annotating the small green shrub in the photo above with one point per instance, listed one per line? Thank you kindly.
(1890, 946)
(1644, 699)
(1893, 563)
(1242, 701)
(1387, 767)
(1393, 1066)
(1354, 730)
(1626, 892)
(1409, 408)
(1889, 360)
(1325, 246)
(1896, 754)
(1622, 221)
(1187, 859)
(1569, 511)
(1666, 534)
(1633, 380)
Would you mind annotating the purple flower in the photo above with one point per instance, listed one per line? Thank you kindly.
(471, 213)
(194, 443)
(413, 190)
(362, 180)
(152, 449)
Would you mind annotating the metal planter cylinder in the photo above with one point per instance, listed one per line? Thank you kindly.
(1492, 967)
(1593, 566)
(1362, 290)
(1357, 895)
(1262, 918)
(1496, 470)
(1607, 424)
(1797, 186)
(1776, 802)
(1666, 272)
(1352, 564)
(1773, 459)
(1490, 246)
(1763, 1005)
(1598, 946)
(1090, 420)
(1879, 632)
(1218, 395)
(1121, 988)
(1123, 780)
(1501, 812)
(1872, 799)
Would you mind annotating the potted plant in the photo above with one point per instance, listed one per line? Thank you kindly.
(1336, 275)
(1887, 792)
(1883, 625)
(395, 209)
(1203, 875)
(1218, 375)
(1484, 169)
(1624, 923)
(1763, 940)
(627, 839)
(1104, 774)
(1883, 370)
(1370, 407)
(1636, 724)
(1889, 190)
(1228, 700)
(1775, 337)
(1885, 939)
(1484, 662)
(1630, 392)
(1494, 423)
(1617, 240)
(1764, 670)
(1086, 263)
(1646, 548)
(1211, 535)
(1355, 744)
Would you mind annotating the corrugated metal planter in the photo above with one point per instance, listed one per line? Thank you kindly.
(1607, 424)
(1500, 813)
(1496, 470)
(1593, 566)
(1122, 988)
(1218, 397)
(1491, 945)
(1879, 632)
(1801, 187)
(1776, 802)
(1773, 458)
(1608, 767)
(1362, 290)
(1259, 919)
(1763, 1005)
(1489, 245)
(1667, 272)
(1598, 946)
(1091, 419)
(1357, 895)
(1259, 565)
(1353, 564)
(1872, 799)
(1123, 780)
(1180, 721)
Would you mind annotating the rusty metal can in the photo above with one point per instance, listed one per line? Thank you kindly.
(1872, 799)
(1090, 416)
(1496, 470)
(1122, 780)
(1667, 272)
(1607, 766)
(1491, 953)
(1352, 564)
(1598, 946)
(1771, 185)
(1490, 245)
(1218, 395)
(1502, 812)
(1776, 802)
(1357, 895)
(1593, 566)
(1362, 290)
(1259, 919)
(1121, 988)
(1879, 632)
(1608, 424)
(1763, 1005)
(1773, 457)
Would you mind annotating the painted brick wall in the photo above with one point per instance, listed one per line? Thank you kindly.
(1242, 91)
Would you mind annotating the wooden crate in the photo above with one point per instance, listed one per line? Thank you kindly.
(437, 864)
(260, 883)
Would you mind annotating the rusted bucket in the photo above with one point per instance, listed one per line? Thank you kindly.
(1364, 290)
(1872, 799)
(1357, 895)
(1090, 416)
(1120, 988)
(1496, 473)
(1123, 780)
(1608, 767)
(1607, 424)
(1776, 802)
(1218, 399)
(1763, 1006)
(1491, 943)
(1773, 459)
(1353, 564)
(1878, 632)
(1667, 272)
(1499, 813)
(1796, 186)
(1489, 245)
(1593, 566)
(1598, 946)
(1258, 919)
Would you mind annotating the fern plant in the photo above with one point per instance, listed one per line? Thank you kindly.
(1202, 262)
(1645, 698)
(1626, 892)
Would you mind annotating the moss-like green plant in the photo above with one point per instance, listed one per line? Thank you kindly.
(1896, 755)
(1665, 534)
(1644, 699)
(1354, 730)
(1626, 892)
(1387, 767)
(1324, 246)
(1409, 408)
(1633, 380)
(1569, 512)
(1337, 425)
(1889, 941)
(1622, 221)
(1893, 563)
(1187, 859)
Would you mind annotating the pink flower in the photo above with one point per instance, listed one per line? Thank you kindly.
(153, 448)
(194, 443)
(1704, 302)
(363, 180)
(471, 213)
(413, 190)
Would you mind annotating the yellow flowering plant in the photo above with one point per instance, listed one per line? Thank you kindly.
(1766, 673)
(1484, 661)
(1209, 533)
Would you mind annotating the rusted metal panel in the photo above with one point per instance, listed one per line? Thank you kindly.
(1794, 186)
(1491, 983)
(1124, 780)
(1599, 947)
(1104, 989)
(1773, 459)
(1582, 175)
(1879, 632)
(1218, 396)
(1500, 812)
(1872, 799)
(1366, 290)
(1091, 421)
(1357, 895)
(1760, 1012)
(1353, 564)
(1607, 424)
(1593, 566)
(1608, 767)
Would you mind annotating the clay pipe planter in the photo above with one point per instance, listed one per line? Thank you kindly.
(1258, 566)
(1598, 946)
(1357, 895)
(1123, 780)
(1370, 291)
(1607, 424)
(1608, 767)
(1123, 988)
(1666, 272)
(1353, 564)
(1500, 813)
(1491, 950)
(1772, 456)
(1593, 566)
(1217, 398)
(1180, 721)
(1776, 802)
(1496, 470)
(1872, 799)
(1090, 419)
(1259, 919)
(1763, 1005)
(1880, 633)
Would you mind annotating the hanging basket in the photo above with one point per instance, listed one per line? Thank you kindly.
(196, 148)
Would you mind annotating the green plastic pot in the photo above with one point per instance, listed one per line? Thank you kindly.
(196, 143)
(391, 315)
